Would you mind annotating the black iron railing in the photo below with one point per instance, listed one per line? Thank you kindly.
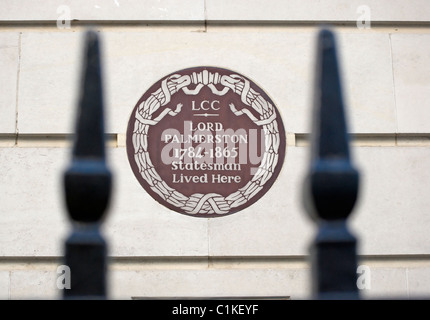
(87, 185)
(331, 185)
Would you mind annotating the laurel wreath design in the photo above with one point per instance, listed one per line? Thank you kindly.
(212, 202)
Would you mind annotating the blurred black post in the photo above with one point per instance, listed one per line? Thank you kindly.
(87, 185)
(331, 185)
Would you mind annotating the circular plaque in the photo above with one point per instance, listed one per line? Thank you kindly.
(205, 142)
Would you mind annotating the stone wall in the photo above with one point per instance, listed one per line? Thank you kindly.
(261, 251)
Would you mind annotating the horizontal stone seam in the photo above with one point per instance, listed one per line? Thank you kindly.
(255, 258)
(376, 140)
(115, 140)
(214, 23)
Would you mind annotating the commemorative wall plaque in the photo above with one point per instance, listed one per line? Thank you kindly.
(205, 142)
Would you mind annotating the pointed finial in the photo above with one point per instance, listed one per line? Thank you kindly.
(89, 143)
(88, 180)
(332, 184)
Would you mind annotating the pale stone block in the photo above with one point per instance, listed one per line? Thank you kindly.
(411, 62)
(4, 285)
(308, 10)
(386, 283)
(209, 283)
(9, 61)
(34, 284)
(33, 214)
(367, 82)
(281, 64)
(190, 10)
(391, 213)
(49, 81)
(93, 10)
(418, 282)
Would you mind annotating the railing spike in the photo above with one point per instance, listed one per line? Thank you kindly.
(331, 186)
(87, 185)
(90, 103)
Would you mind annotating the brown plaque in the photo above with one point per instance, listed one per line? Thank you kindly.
(206, 142)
